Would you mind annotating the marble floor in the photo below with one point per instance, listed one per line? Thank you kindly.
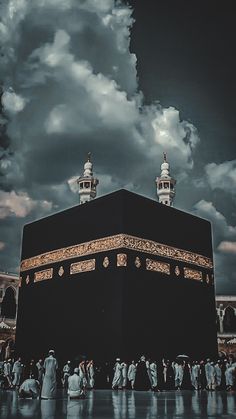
(103, 404)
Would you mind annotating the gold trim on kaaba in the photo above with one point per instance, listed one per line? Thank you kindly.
(61, 271)
(122, 259)
(157, 266)
(106, 262)
(82, 266)
(43, 275)
(116, 242)
(177, 271)
(192, 274)
(137, 262)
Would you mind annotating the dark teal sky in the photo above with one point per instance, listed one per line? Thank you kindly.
(186, 58)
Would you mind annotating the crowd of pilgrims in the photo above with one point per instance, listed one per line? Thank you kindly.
(42, 378)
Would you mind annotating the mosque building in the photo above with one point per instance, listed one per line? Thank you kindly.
(9, 288)
(117, 275)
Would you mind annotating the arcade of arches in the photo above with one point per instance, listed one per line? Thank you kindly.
(226, 322)
(9, 285)
(8, 296)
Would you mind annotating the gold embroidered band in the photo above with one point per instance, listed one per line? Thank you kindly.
(43, 275)
(116, 242)
(82, 266)
(156, 266)
(192, 274)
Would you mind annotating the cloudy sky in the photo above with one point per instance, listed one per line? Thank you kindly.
(126, 81)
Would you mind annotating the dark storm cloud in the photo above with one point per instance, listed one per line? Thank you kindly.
(224, 237)
(70, 86)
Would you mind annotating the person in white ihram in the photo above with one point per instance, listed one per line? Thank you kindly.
(75, 385)
(117, 379)
(179, 373)
(153, 372)
(195, 375)
(40, 370)
(50, 377)
(17, 371)
(29, 389)
(90, 374)
(7, 372)
(131, 373)
(210, 375)
(124, 367)
(66, 374)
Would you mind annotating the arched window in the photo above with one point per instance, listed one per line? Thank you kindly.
(8, 309)
(229, 321)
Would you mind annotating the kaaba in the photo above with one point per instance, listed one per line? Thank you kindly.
(121, 275)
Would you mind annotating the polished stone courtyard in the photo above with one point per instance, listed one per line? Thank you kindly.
(102, 404)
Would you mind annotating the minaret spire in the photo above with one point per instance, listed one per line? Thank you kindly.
(165, 184)
(87, 183)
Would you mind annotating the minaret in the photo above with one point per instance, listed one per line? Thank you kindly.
(165, 185)
(87, 184)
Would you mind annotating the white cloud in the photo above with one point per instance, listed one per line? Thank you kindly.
(220, 226)
(224, 236)
(222, 176)
(227, 247)
(71, 61)
(12, 102)
(2, 245)
(172, 134)
(19, 204)
(111, 106)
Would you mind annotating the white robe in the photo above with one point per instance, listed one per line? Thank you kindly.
(66, 374)
(7, 372)
(132, 373)
(210, 374)
(30, 386)
(7, 352)
(50, 378)
(195, 375)
(229, 374)
(124, 374)
(148, 371)
(218, 374)
(90, 373)
(117, 379)
(82, 375)
(66, 369)
(17, 370)
(7, 369)
(179, 373)
(153, 372)
(75, 385)
(39, 367)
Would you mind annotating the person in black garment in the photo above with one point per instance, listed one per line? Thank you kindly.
(142, 381)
